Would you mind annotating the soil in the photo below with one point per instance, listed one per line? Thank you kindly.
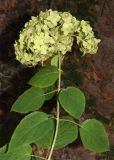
(95, 73)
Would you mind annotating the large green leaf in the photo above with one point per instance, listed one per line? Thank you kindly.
(45, 140)
(46, 77)
(93, 136)
(73, 101)
(30, 100)
(67, 133)
(22, 153)
(38, 128)
(32, 128)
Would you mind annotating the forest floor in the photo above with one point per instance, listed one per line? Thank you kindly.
(93, 74)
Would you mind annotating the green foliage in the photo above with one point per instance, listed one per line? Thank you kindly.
(40, 128)
(94, 136)
(46, 77)
(30, 100)
(23, 153)
(68, 132)
(52, 131)
(32, 128)
(73, 101)
(3, 149)
(46, 132)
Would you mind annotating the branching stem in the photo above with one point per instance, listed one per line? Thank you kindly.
(39, 157)
(58, 112)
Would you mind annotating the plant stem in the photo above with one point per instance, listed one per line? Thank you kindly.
(67, 120)
(58, 112)
(49, 92)
(37, 157)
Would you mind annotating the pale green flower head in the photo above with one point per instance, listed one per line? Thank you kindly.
(85, 38)
(50, 33)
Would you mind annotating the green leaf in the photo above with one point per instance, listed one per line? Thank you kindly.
(30, 100)
(67, 133)
(22, 153)
(49, 92)
(32, 128)
(93, 136)
(73, 101)
(45, 140)
(3, 149)
(38, 128)
(46, 77)
(54, 61)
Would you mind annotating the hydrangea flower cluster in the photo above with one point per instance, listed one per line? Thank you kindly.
(86, 39)
(50, 33)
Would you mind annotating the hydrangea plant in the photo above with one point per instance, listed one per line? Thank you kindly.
(50, 35)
